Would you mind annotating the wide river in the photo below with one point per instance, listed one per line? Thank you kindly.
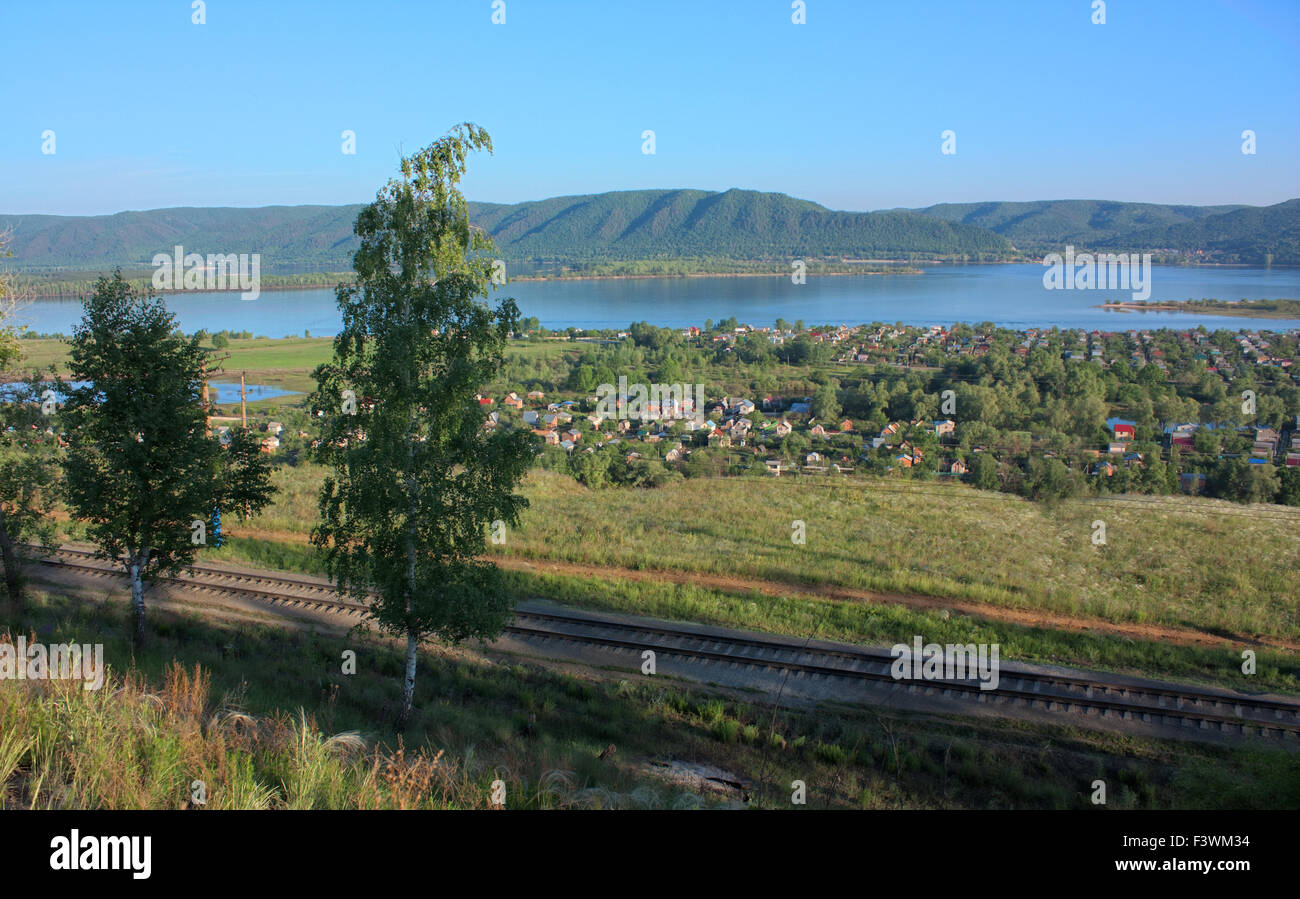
(1011, 296)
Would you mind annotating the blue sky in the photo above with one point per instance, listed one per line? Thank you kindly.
(150, 110)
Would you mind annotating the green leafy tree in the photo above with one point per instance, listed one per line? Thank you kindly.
(28, 479)
(417, 480)
(984, 471)
(826, 404)
(28, 469)
(141, 468)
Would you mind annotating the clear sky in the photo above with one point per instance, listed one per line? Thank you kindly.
(150, 110)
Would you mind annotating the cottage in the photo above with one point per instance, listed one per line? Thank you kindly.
(819, 431)
(275, 428)
(513, 401)
(947, 426)
(846, 425)
(783, 428)
(774, 466)
(530, 417)
(958, 467)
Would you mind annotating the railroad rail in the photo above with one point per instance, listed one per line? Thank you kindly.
(1215, 711)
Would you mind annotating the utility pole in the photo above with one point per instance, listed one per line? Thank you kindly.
(243, 406)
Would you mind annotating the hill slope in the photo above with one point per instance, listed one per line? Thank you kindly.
(674, 224)
(622, 225)
(1244, 234)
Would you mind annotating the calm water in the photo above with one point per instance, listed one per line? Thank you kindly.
(218, 391)
(1011, 296)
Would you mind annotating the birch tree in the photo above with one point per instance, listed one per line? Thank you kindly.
(417, 480)
(141, 469)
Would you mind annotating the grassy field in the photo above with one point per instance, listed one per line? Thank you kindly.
(659, 563)
(265, 719)
(1181, 562)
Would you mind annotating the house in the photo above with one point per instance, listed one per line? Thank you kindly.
(270, 444)
(958, 468)
(1117, 448)
(775, 466)
(536, 395)
(804, 408)
(1124, 431)
(484, 400)
(530, 417)
(947, 426)
(719, 438)
(676, 454)
(846, 425)
(1191, 482)
(904, 460)
(567, 445)
(813, 459)
(275, 428)
(783, 428)
(552, 438)
(819, 431)
(513, 401)
(1104, 468)
(573, 435)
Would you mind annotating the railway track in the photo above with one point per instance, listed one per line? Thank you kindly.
(1206, 710)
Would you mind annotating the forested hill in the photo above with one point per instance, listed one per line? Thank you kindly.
(1227, 234)
(644, 224)
(676, 224)
(735, 224)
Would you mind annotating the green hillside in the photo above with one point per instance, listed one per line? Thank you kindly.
(650, 224)
(621, 226)
(1228, 234)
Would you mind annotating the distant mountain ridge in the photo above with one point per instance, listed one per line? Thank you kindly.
(1228, 234)
(668, 224)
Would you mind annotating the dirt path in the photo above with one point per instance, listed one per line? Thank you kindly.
(1179, 636)
(1025, 617)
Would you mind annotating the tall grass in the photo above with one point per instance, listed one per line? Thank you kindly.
(129, 746)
